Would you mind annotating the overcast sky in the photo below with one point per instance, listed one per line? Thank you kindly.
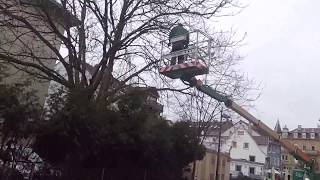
(282, 53)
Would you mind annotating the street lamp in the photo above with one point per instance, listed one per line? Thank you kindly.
(222, 115)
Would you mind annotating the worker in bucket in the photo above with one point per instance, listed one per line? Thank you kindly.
(179, 39)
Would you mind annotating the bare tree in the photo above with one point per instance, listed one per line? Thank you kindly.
(225, 78)
(204, 112)
(118, 42)
(120, 38)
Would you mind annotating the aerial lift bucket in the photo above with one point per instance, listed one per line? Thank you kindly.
(192, 68)
(196, 58)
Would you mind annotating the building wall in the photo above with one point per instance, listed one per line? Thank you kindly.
(245, 167)
(237, 136)
(288, 163)
(306, 145)
(270, 147)
(240, 135)
(206, 168)
(266, 152)
(274, 155)
(264, 149)
(28, 42)
(308, 140)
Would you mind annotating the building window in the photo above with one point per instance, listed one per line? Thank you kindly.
(238, 168)
(313, 148)
(312, 135)
(245, 145)
(268, 161)
(240, 132)
(304, 136)
(234, 144)
(252, 158)
(295, 135)
(308, 135)
(251, 170)
(304, 147)
(285, 135)
(284, 157)
(299, 135)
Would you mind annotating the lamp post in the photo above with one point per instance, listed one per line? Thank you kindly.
(219, 141)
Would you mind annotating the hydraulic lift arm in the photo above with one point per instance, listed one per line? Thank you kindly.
(292, 149)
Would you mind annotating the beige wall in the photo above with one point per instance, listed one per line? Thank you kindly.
(206, 168)
(307, 143)
(26, 43)
(287, 163)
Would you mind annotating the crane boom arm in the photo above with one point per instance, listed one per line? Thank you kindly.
(292, 149)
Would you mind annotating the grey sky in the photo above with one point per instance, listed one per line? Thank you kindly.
(282, 53)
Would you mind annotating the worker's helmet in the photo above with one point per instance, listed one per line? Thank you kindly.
(178, 30)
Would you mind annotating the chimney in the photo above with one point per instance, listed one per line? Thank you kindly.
(299, 127)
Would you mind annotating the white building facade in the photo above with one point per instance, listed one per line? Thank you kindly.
(248, 157)
(252, 152)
